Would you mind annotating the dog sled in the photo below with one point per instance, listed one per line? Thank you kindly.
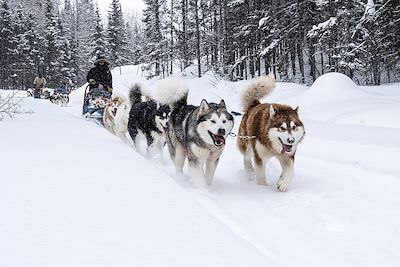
(41, 93)
(60, 96)
(94, 102)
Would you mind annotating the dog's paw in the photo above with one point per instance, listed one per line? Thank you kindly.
(283, 184)
(251, 176)
(199, 182)
(262, 181)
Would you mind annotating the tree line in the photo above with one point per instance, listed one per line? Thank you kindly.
(60, 40)
(296, 40)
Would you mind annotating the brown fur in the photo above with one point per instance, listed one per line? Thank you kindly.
(254, 140)
(109, 112)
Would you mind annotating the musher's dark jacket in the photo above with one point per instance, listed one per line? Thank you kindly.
(101, 74)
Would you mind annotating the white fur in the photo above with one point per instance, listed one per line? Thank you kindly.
(121, 122)
(162, 123)
(274, 135)
(287, 165)
(171, 91)
(202, 172)
(213, 125)
(157, 147)
(116, 95)
(265, 155)
(179, 160)
(259, 88)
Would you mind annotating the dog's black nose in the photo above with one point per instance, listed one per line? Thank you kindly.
(290, 140)
(221, 131)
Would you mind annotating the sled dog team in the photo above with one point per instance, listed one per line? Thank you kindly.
(59, 99)
(199, 133)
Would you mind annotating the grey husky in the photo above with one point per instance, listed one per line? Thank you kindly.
(197, 133)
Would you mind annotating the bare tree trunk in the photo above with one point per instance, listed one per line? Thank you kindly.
(301, 60)
(184, 34)
(274, 62)
(214, 47)
(311, 61)
(322, 63)
(172, 38)
(198, 37)
(293, 58)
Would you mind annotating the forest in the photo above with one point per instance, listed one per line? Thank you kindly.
(295, 40)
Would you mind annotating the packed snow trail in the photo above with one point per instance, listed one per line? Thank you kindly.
(71, 194)
(342, 207)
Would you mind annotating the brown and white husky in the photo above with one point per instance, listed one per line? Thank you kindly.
(111, 110)
(268, 130)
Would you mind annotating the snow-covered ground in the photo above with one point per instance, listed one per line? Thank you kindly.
(72, 194)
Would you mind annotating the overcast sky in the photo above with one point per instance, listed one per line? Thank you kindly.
(127, 5)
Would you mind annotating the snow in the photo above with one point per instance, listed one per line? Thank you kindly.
(370, 8)
(75, 195)
(262, 22)
(322, 26)
(271, 46)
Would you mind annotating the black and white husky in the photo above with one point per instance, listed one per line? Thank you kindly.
(149, 118)
(197, 133)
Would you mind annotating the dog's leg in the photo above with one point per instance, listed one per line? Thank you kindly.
(287, 164)
(150, 145)
(160, 148)
(112, 126)
(211, 166)
(133, 132)
(137, 143)
(260, 170)
(196, 171)
(124, 137)
(248, 165)
(179, 158)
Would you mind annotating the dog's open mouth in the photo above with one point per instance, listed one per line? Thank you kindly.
(218, 140)
(285, 148)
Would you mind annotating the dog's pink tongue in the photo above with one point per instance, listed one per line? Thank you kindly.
(286, 148)
(220, 139)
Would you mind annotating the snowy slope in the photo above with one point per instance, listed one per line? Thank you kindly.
(340, 210)
(73, 195)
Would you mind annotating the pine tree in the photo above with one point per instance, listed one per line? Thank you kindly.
(6, 44)
(34, 46)
(97, 41)
(84, 27)
(21, 49)
(51, 50)
(136, 38)
(153, 49)
(68, 22)
(388, 21)
(116, 35)
(65, 70)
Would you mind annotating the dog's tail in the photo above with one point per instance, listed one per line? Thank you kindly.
(119, 96)
(260, 87)
(173, 93)
(135, 94)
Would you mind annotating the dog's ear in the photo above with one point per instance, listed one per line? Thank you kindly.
(204, 107)
(222, 104)
(297, 109)
(272, 111)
